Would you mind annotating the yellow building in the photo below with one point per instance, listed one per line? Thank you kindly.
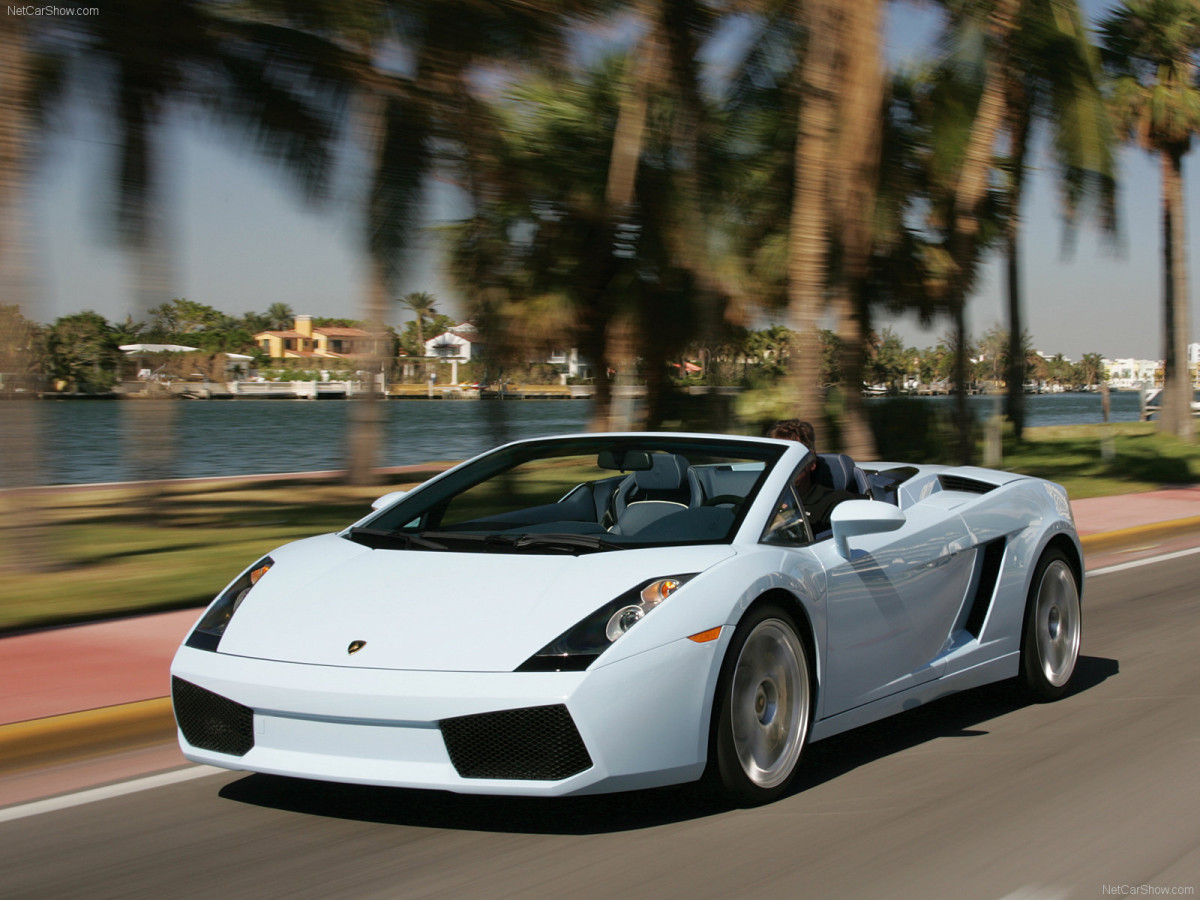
(303, 340)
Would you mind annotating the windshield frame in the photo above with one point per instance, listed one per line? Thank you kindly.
(420, 511)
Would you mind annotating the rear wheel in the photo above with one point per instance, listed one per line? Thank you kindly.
(1053, 627)
(763, 709)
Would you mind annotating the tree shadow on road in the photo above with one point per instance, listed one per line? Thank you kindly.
(959, 715)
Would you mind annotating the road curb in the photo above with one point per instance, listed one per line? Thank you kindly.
(1116, 540)
(130, 726)
(59, 739)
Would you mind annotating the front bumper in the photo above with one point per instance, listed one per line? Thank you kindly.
(640, 722)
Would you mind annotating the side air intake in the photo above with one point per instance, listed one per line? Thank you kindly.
(966, 485)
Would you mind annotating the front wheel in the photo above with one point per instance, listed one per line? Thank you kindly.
(1053, 625)
(763, 709)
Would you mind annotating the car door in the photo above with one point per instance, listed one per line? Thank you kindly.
(891, 607)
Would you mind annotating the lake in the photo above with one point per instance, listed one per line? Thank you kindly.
(86, 440)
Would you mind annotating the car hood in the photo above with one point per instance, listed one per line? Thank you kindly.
(434, 610)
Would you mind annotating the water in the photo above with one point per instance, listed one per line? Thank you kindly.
(89, 440)
(1056, 409)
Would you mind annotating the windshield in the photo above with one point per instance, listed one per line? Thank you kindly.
(581, 495)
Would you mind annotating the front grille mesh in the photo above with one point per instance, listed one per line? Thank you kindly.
(539, 743)
(210, 721)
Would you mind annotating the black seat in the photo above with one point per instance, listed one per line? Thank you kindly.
(666, 480)
(838, 472)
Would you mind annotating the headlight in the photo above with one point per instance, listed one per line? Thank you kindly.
(207, 634)
(575, 649)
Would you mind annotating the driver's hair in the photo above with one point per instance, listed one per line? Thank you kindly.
(794, 430)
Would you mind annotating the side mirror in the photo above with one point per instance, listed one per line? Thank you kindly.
(857, 517)
(388, 499)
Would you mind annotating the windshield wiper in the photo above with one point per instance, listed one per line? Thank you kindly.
(566, 541)
(377, 539)
(487, 543)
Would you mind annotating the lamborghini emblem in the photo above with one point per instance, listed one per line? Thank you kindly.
(355, 646)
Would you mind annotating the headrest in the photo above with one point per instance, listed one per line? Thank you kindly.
(666, 473)
(836, 471)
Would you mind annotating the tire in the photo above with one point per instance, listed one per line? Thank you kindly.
(762, 711)
(1052, 629)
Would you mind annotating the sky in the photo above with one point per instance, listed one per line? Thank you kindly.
(241, 239)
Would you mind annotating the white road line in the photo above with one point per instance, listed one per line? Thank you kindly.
(1150, 560)
(82, 798)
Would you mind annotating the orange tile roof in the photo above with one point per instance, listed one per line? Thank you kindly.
(281, 334)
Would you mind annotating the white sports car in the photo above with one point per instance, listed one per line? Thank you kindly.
(604, 612)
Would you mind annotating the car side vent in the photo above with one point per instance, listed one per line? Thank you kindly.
(212, 722)
(538, 743)
(966, 485)
(992, 554)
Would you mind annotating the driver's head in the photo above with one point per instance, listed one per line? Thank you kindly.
(794, 430)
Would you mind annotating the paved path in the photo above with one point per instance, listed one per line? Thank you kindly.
(1103, 514)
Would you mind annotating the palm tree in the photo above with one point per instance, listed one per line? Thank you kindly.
(809, 228)
(23, 92)
(1052, 75)
(611, 205)
(1150, 47)
(142, 59)
(407, 124)
(421, 305)
(967, 184)
(661, 78)
(857, 165)
(808, 191)
(280, 317)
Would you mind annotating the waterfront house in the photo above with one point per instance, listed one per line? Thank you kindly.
(461, 343)
(306, 340)
(572, 365)
(1130, 374)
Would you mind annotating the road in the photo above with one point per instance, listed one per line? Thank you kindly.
(980, 795)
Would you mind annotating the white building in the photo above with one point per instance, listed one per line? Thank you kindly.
(571, 362)
(460, 344)
(1132, 373)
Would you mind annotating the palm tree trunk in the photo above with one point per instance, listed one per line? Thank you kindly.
(150, 426)
(808, 237)
(968, 196)
(688, 233)
(364, 435)
(1015, 376)
(24, 538)
(365, 431)
(1018, 130)
(856, 169)
(421, 346)
(620, 191)
(962, 410)
(1176, 415)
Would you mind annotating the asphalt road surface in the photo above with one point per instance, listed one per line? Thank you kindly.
(980, 796)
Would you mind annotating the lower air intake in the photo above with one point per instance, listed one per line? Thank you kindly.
(210, 721)
(539, 743)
